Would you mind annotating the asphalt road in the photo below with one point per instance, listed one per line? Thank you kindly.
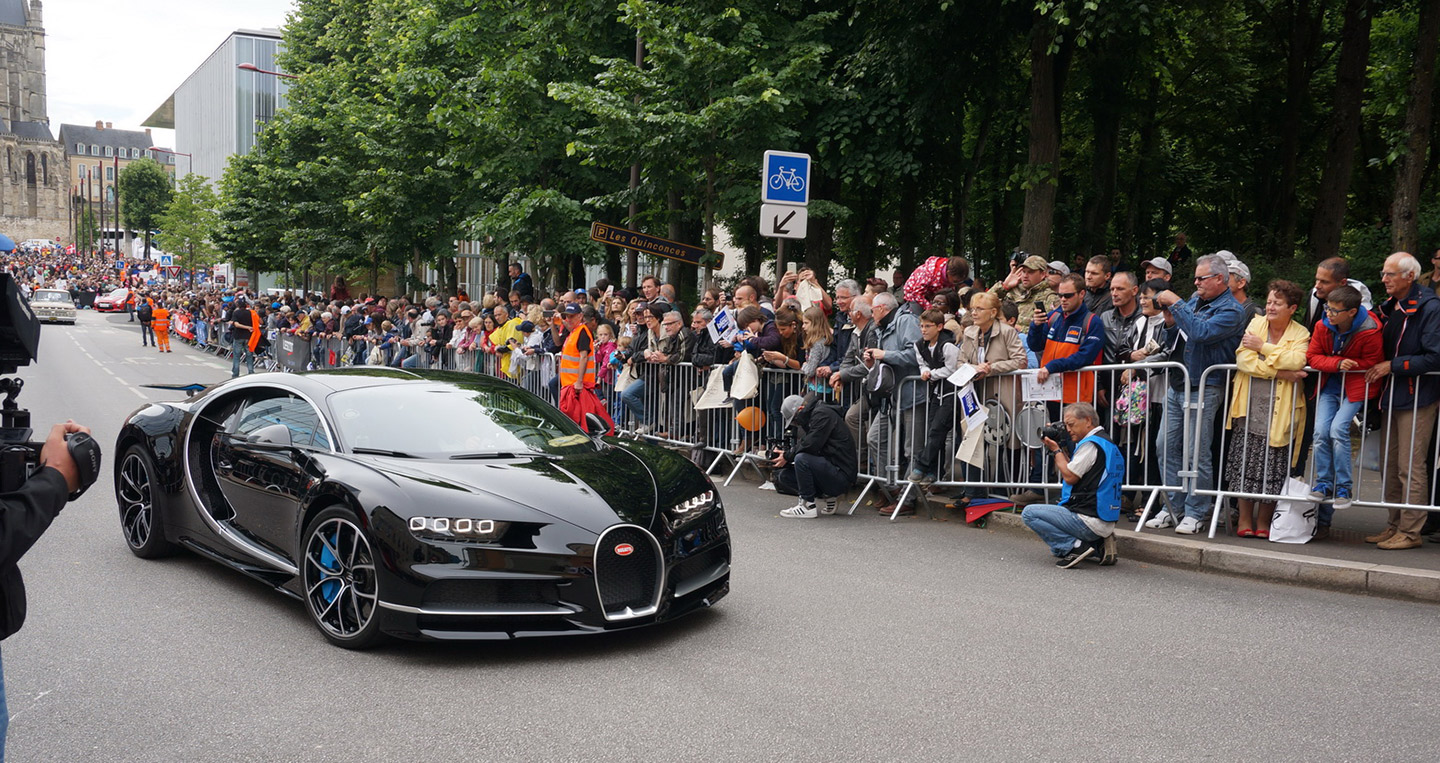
(846, 638)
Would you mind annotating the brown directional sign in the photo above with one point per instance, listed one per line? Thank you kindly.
(660, 247)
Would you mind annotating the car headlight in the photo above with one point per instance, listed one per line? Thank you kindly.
(457, 529)
(692, 507)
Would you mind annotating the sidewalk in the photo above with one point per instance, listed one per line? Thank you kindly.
(1345, 562)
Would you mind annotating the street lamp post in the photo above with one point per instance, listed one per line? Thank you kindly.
(249, 67)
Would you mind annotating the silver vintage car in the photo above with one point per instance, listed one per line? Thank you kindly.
(53, 306)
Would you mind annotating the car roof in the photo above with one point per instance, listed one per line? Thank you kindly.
(336, 380)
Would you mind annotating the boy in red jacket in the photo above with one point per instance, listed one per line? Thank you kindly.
(1346, 342)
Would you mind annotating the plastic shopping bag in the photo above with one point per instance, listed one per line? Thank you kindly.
(1294, 518)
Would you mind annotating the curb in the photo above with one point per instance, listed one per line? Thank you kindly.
(1278, 566)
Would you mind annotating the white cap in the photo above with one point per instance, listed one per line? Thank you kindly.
(1161, 263)
(1061, 267)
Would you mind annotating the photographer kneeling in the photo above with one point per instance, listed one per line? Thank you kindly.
(25, 514)
(822, 452)
(1083, 525)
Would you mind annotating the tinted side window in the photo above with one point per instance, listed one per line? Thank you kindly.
(296, 414)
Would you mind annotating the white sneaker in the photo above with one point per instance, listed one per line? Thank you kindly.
(768, 485)
(1161, 520)
(800, 510)
(1189, 526)
(829, 507)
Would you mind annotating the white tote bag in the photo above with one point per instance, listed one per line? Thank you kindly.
(1294, 518)
(746, 383)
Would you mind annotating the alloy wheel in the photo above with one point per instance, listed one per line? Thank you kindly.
(340, 585)
(137, 505)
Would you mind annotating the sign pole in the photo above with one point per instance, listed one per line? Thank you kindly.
(779, 263)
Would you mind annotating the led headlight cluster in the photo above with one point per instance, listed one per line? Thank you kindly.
(457, 529)
(687, 510)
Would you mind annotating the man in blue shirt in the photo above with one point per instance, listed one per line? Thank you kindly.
(1209, 325)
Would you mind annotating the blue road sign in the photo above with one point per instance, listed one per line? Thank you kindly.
(785, 178)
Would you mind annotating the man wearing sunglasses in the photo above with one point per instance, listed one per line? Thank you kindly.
(1205, 330)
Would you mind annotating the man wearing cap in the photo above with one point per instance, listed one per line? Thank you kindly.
(822, 451)
(577, 357)
(1239, 281)
(1027, 287)
(1057, 271)
(1158, 268)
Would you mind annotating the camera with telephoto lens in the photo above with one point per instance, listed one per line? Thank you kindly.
(1019, 256)
(1058, 433)
(19, 343)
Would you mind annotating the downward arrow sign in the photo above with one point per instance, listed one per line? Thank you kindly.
(780, 224)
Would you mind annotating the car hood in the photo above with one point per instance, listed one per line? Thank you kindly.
(593, 490)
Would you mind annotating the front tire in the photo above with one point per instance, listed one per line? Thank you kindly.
(341, 589)
(140, 521)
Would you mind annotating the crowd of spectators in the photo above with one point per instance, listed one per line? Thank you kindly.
(1245, 403)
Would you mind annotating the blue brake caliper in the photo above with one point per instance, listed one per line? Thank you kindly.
(330, 588)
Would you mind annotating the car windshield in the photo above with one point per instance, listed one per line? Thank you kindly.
(453, 420)
(51, 296)
(119, 293)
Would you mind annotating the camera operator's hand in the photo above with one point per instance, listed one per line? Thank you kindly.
(56, 454)
(1050, 445)
(779, 461)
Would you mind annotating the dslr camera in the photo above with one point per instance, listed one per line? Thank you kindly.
(1059, 434)
(19, 343)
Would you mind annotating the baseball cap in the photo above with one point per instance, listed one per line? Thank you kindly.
(1238, 268)
(582, 292)
(790, 407)
(572, 308)
(1060, 267)
(1161, 263)
(1035, 262)
(344, 309)
(526, 327)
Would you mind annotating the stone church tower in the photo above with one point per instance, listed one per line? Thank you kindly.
(34, 192)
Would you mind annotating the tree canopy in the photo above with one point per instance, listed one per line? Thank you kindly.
(1284, 130)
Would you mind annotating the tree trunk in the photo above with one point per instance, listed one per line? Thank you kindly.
(1139, 195)
(1047, 72)
(967, 184)
(1404, 217)
(1107, 96)
(1304, 39)
(905, 238)
(867, 235)
(1344, 132)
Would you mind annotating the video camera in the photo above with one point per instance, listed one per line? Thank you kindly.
(19, 344)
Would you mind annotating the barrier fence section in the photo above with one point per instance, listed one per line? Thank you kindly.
(1004, 451)
(1382, 432)
(922, 426)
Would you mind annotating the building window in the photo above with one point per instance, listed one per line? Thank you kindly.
(109, 151)
(109, 173)
(123, 153)
(80, 148)
(94, 150)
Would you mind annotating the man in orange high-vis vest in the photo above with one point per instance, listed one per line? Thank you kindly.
(160, 322)
(1069, 339)
(577, 358)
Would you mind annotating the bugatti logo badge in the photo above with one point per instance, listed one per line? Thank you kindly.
(624, 549)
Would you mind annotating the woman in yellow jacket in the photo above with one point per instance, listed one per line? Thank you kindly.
(1267, 412)
(508, 341)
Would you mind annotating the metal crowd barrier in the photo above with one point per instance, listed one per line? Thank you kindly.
(1008, 445)
(1377, 444)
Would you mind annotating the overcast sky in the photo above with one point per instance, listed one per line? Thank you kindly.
(118, 61)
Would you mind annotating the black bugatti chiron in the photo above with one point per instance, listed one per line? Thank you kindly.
(422, 505)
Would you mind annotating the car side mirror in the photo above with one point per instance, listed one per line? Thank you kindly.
(595, 425)
(275, 435)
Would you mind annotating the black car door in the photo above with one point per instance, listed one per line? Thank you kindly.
(264, 466)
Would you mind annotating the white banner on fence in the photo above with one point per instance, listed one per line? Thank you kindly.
(1032, 389)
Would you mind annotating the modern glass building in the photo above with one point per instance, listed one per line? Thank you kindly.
(219, 109)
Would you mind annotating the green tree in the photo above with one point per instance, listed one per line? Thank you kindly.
(145, 190)
(189, 224)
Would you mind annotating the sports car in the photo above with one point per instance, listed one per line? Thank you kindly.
(423, 505)
(112, 302)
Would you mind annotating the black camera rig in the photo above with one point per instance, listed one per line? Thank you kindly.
(19, 345)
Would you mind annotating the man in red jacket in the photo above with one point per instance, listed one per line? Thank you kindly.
(1346, 342)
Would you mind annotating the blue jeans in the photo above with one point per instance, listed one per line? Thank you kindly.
(1179, 406)
(1058, 526)
(147, 335)
(633, 397)
(1333, 414)
(240, 347)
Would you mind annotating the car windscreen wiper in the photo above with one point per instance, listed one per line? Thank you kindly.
(382, 452)
(500, 454)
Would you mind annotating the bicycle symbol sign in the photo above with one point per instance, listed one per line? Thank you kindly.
(785, 178)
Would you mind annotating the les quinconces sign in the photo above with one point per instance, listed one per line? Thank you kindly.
(660, 247)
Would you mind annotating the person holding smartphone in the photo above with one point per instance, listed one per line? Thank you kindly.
(1028, 287)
